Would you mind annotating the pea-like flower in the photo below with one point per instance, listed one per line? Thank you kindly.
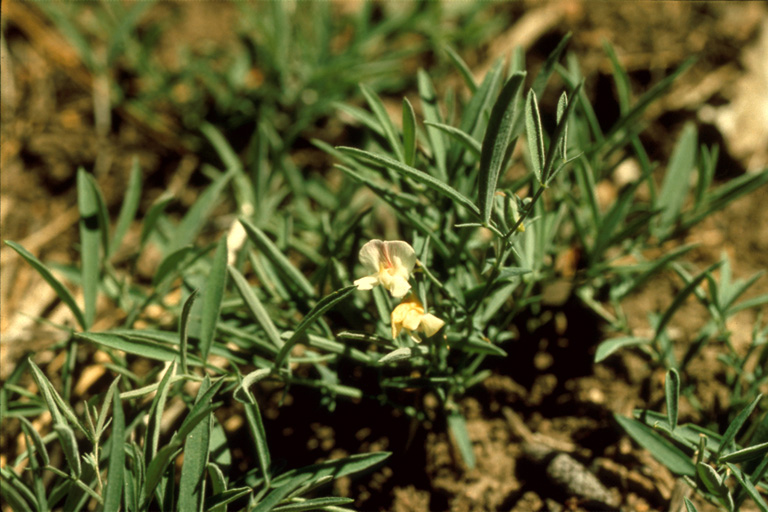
(390, 264)
(410, 315)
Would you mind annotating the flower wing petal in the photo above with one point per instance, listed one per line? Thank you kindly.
(398, 286)
(371, 255)
(430, 324)
(402, 255)
(366, 283)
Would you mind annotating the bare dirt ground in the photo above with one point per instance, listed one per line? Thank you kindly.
(546, 409)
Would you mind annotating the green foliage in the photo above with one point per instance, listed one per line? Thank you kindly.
(486, 224)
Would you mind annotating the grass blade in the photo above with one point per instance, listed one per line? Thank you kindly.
(540, 82)
(460, 136)
(463, 69)
(409, 133)
(60, 289)
(186, 309)
(458, 428)
(661, 449)
(129, 207)
(535, 135)
(90, 236)
(417, 175)
(676, 182)
(270, 250)
(672, 393)
(384, 121)
(212, 297)
(196, 449)
(736, 424)
(431, 111)
(314, 314)
(256, 308)
(680, 298)
(496, 142)
(114, 488)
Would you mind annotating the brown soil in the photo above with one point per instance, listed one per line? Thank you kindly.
(548, 407)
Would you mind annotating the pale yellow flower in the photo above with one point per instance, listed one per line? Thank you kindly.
(410, 315)
(390, 264)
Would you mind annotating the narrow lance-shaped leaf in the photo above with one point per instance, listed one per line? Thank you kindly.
(737, 423)
(431, 111)
(409, 132)
(417, 175)
(183, 330)
(87, 203)
(661, 449)
(129, 207)
(672, 388)
(320, 308)
(255, 307)
(562, 103)
(496, 141)
(270, 250)
(196, 449)
(676, 184)
(535, 135)
(61, 291)
(114, 489)
(383, 117)
(558, 136)
(212, 297)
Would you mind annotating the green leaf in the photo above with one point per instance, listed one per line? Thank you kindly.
(153, 215)
(129, 207)
(403, 353)
(676, 184)
(496, 141)
(270, 250)
(475, 345)
(672, 392)
(61, 291)
(315, 504)
(737, 423)
(620, 78)
(535, 135)
(749, 487)
(259, 436)
(431, 111)
(11, 496)
(69, 446)
(242, 391)
(36, 440)
(712, 481)
(337, 467)
(173, 263)
(256, 308)
(141, 347)
(661, 449)
(417, 175)
(314, 314)
(753, 452)
(219, 501)
(212, 297)
(608, 347)
(459, 136)
(540, 82)
(383, 118)
(462, 67)
(187, 230)
(458, 428)
(409, 133)
(562, 105)
(196, 449)
(277, 495)
(186, 309)
(90, 236)
(680, 298)
(689, 506)
(155, 415)
(114, 488)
